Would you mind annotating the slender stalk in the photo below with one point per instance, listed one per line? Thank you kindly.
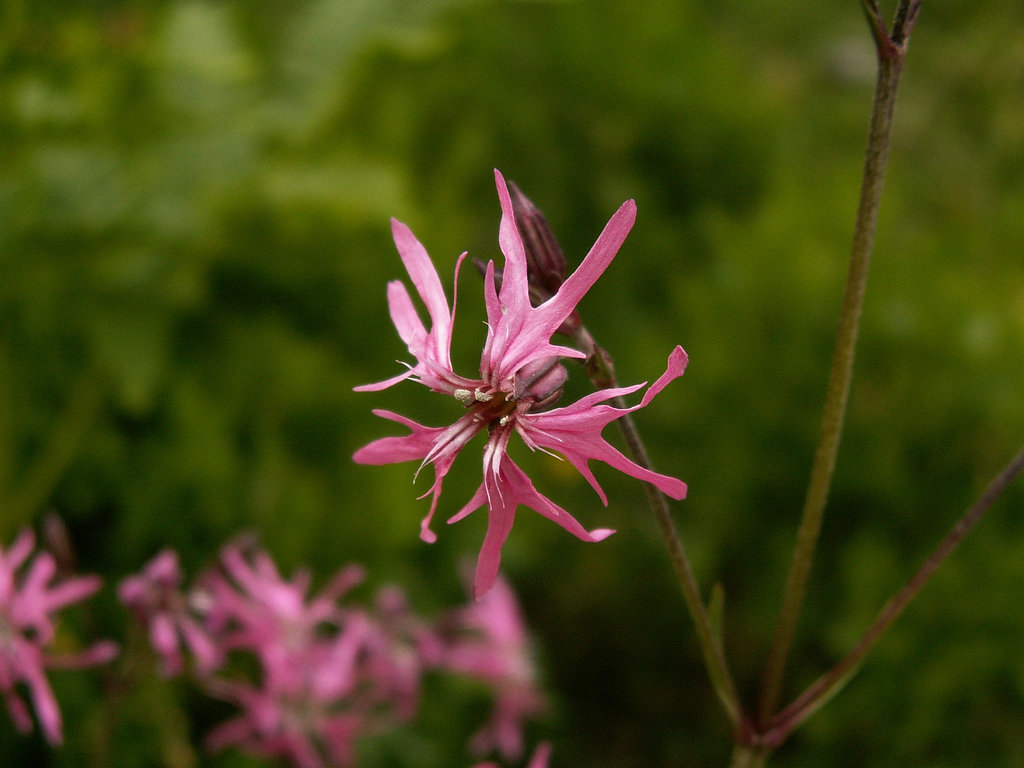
(601, 372)
(827, 685)
(711, 647)
(891, 55)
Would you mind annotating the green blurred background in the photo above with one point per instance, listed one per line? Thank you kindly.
(194, 246)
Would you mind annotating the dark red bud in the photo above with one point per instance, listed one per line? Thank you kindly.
(545, 263)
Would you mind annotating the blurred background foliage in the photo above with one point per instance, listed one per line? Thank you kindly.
(194, 246)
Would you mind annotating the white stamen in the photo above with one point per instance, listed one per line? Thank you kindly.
(464, 396)
(482, 397)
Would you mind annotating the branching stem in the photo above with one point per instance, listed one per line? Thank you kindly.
(891, 50)
(828, 684)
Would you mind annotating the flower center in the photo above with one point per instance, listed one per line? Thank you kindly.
(535, 387)
(489, 405)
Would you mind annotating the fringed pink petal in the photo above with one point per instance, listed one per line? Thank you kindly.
(424, 277)
(499, 525)
(575, 431)
(553, 312)
(404, 316)
(677, 362)
(17, 709)
(515, 287)
(392, 450)
(19, 550)
(381, 385)
(44, 703)
(505, 487)
(71, 591)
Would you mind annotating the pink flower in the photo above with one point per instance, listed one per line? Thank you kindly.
(155, 596)
(306, 710)
(27, 629)
(251, 607)
(327, 673)
(492, 646)
(401, 648)
(310, 674)
(519, 379)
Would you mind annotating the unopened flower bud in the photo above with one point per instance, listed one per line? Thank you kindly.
(57, 539)
(546, 268)
(541, 381)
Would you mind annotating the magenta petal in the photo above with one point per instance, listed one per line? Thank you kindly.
(559, 306)
(509, 310)
(677, 362)
(404, 315)
(499, 525)
(207, 654)
(438, 446)
(518, 333)
(575, 431)
(71, 591)
(19, 550)
(424, 278)
(44, 702)
(392, 450)
(515, 287)
(505, 487)
(40, 571)
(99, 653)
(163, 636)
(383, 384)
(494, 314)
(532, 498)
(17, 709)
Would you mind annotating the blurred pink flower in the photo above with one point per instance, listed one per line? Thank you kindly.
(328, 674)
(311, 674)
(519, 379)
(402, 647)
(155, 596)
(249, 606)
(491, 645)
(27, 628)
(307, 710)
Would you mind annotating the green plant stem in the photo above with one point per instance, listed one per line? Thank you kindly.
(891, 55)
(711, 647)
(601, 372)
(828, 684)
